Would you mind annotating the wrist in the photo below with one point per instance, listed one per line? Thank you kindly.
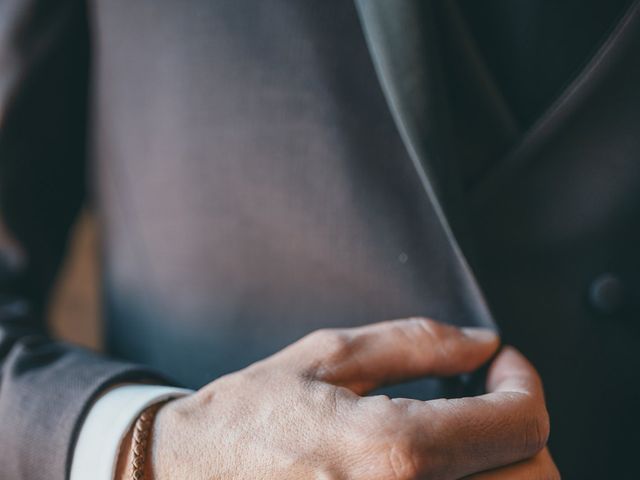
(178, 433)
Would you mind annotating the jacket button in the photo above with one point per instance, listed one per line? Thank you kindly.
(607, 294)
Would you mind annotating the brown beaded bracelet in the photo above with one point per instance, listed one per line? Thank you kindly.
(140, 441)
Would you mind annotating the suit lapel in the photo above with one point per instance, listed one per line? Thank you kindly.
(408, 69)
(405, 56)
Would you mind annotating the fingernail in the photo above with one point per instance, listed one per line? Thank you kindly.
(480, 334)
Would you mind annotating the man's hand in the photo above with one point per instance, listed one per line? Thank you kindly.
(300, 415)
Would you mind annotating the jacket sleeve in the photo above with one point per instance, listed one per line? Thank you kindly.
(46, 386)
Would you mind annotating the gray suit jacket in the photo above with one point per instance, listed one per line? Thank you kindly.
(265, 168)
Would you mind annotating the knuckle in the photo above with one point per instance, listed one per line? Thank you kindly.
(379, 405)
(538, 431)
(439, 338)
(324, 337)
(332, 345)
(401, 462)
(401, 447)
(315, 337)
(390, 444)
(429, 329)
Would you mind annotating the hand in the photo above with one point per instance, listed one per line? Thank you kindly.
(300, 415)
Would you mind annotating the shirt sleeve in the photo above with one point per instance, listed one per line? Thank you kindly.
(107, 423)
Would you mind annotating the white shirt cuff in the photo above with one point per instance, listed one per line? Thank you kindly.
(112, 415)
